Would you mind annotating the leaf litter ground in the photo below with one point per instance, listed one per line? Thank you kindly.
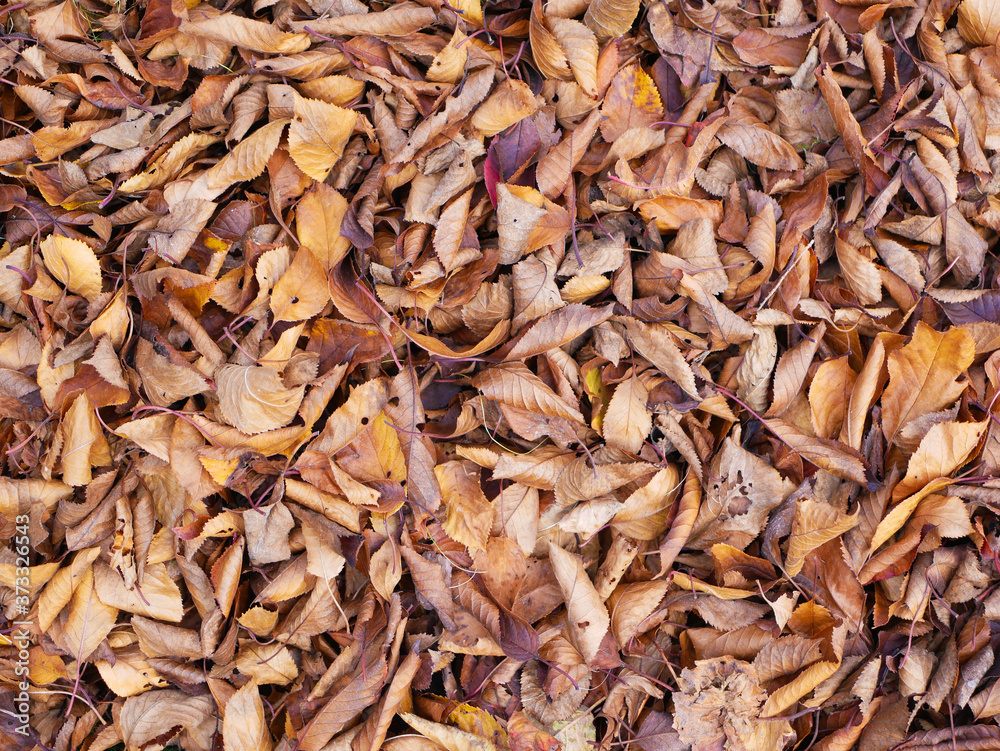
(525, 376)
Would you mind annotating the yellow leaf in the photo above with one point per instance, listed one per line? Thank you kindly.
(599, 394)
(829, 394)
(318, 221)
(611, 18)
(685, 582)
(924, 376)
(88, 621)
(113, 322)
(259, 621)
(339, 90)
(801, 685)
(470, 516)
(814, 524)
(61, 587)
(45, 669)
(17, 496)
(895, 519)
(74, 264)
(84, 445)
(633, 603)
(448, 65)
(302, 291)
(131, 674)
(451, 738)
(318, 134)
(945, 448)
(267, 663)
(510, 102)
(645, 514)
(472, 10)
(479, 722)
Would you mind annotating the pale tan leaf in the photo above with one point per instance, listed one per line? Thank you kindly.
(632, 604)
(554, 330)
(88, 621)
(589, 620)
(833, 456)
(159, 597)
(400, 20)
(756, 142)
(259, 36)
(979, 21)
(145, 717)
(860, 273)
(555, 168)
(656, 344)
(244, 727)
(792, 370)
(449, 233)
(267, 531)
(248, 159)
(581, 49)
(628, 419)
(516, 220)
(517, 386)
(611, 18)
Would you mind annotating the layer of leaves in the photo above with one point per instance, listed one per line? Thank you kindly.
(513, 375)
